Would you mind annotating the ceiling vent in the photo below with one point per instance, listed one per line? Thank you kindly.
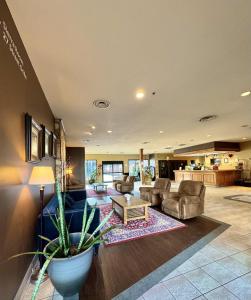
(207, 118)
(101, 103)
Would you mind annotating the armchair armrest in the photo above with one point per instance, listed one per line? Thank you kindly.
(143, 189)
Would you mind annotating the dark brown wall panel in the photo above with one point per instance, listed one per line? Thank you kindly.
(75, 156)
(19, 202)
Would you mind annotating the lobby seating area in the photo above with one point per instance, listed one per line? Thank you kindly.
(155, 194)
(125, 158)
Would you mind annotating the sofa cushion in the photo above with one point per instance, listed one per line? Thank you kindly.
(190, 188)
(51, 206)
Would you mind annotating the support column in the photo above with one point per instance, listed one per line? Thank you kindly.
(141, 165)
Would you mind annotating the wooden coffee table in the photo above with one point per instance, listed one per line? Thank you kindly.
(131, 210)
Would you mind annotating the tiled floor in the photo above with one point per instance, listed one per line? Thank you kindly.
(221, 270)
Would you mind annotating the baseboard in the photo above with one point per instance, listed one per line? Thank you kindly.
(26, 279)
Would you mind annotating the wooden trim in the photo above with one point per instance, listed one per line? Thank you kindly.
(209, 147)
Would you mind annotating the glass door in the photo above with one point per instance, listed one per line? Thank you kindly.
(90, 168)
(112, 170)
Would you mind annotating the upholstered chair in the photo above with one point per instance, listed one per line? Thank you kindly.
(127, 186)
(123, 179)
(154, 194)
(187, 203)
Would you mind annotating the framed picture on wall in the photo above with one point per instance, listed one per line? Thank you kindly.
(53, 145)
(45, 141)
(32, 139)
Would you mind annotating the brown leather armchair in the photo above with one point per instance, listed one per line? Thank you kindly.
(115, 182)
(187, 203)
(154, 194)
(127, 186)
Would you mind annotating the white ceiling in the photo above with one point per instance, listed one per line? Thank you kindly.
(195, 54)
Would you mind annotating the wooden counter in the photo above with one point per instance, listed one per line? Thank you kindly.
(209, 177)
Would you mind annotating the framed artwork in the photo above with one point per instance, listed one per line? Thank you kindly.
(45, 141)
(53, 145)
(32, 139)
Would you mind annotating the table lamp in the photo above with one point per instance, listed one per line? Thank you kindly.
(41, 176)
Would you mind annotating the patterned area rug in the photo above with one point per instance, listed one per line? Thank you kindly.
(157, 223)
(110, 192)
(241, 197)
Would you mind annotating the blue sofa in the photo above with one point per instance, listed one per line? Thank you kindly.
(74, 208)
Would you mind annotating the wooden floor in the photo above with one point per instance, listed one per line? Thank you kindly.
(118, 267)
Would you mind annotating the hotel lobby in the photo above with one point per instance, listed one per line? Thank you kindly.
(125, 158)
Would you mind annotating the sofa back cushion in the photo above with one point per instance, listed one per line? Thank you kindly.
(162, 183)
(130, 179)
(51, 206)
(190, 187)
(124, 177)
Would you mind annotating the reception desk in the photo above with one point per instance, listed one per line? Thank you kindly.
(209, 177)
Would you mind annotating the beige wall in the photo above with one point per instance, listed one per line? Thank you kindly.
(125, 157)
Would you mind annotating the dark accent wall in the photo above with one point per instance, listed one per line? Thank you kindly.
(75, 156)
(19, 202)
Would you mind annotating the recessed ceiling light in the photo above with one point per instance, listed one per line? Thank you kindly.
(101, 103)
(244, 138)
(245, 94)
(88, 133)
(109, 131)
(182, 145)
(209, 135)
(161, 131)
(86, 141)
(145, 142)
(93, 127)
(244, 125)
(140, 94)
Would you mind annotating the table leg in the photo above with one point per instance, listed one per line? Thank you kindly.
(125, 216)
(146, 213)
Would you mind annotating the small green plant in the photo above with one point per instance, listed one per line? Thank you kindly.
(93, 176)
(64, 248)
(148, 172)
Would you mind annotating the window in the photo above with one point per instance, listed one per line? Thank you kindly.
(134, 165)
(112, 170)
(90, 167)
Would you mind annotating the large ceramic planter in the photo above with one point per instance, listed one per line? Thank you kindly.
(69, 274)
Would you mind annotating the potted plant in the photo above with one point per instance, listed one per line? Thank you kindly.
(69, 257)
(93, 177)
(148, 175)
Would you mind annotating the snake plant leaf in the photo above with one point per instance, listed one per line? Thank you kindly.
(104, 221)
(83, 227)
(44, 238)
(88, 224)
(92, 242)
(27, 253)
(62, 225)
(52, 219)
(41, 274)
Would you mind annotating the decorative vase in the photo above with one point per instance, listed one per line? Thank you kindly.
(69, 274)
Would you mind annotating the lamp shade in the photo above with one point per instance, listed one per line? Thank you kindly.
(42, 176)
